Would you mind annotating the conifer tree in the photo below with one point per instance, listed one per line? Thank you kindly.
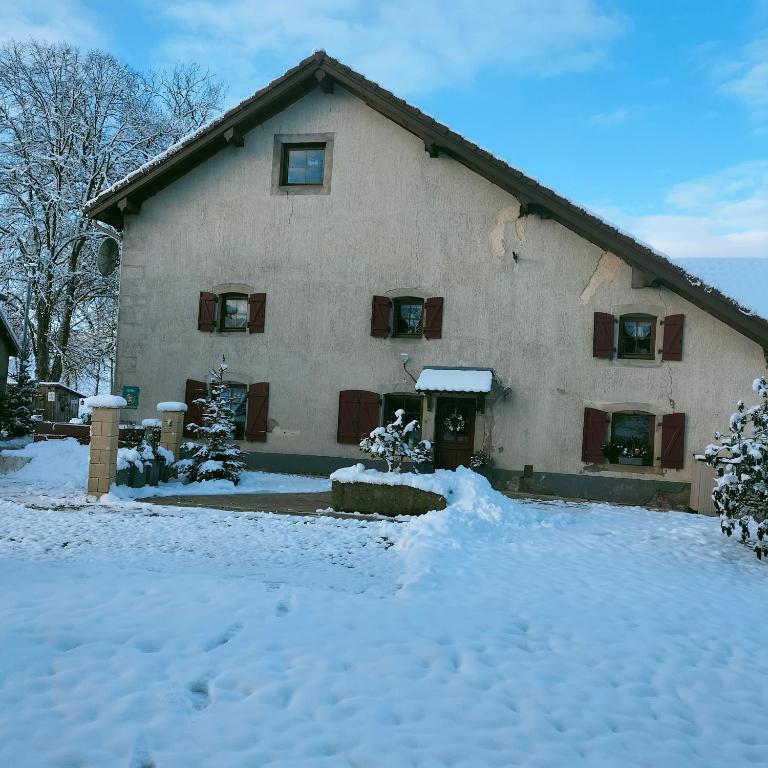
(741, 460)
(17, 406)
(394, 445)
(215, 456)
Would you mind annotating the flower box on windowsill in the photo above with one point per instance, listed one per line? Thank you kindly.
(636, 460)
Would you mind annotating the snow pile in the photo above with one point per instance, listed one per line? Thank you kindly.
(172, 407)
(155, 423)
(433, 545)
(54, 462)
(454, 380)
(105, 401)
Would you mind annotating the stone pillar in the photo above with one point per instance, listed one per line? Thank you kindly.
(172, 430)
(105, 429)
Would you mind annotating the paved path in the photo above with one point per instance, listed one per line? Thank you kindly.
(281, 503)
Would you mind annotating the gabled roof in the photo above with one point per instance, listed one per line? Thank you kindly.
(321, 70)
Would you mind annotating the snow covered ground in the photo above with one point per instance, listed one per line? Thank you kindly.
(494, 633)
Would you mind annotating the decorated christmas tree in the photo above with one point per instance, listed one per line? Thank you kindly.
(17, 405)
(214, 455)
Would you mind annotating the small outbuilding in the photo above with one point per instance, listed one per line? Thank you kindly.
(56, 402)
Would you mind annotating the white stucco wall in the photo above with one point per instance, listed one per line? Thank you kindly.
(398, 222)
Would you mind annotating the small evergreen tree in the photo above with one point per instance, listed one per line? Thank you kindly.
(393, 444)
(741, 460)
(216, 457)
(16, 412)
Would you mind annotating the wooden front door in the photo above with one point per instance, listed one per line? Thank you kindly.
(454, 432)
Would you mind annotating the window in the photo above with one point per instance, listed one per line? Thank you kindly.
(411, 404)
(631, 438)
(637, 336)
(238, 397)
(233, 314)
(408, 317)
(303, 164)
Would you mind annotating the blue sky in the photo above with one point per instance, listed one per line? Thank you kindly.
(653, 114)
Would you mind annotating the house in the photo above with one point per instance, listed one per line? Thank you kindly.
(350, 256)
(56, 402)
(9, 347)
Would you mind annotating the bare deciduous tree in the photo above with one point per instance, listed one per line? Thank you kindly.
(71, 124)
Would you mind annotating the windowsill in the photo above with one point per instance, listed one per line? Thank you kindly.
(637, 362)
(410, 336)
(632, 469)
(636, 358)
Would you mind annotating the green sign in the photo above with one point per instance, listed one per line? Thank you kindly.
(131, 395)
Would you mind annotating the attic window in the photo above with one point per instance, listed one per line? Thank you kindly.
(303, 164)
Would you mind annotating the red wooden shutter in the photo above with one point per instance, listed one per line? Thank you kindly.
(673, 440)
(358, 415)
(602, 339)
(673, 337)
(257, 305)
(206, 313)
(194, 415)
(380, 316)
(433, 317)
(256, 412)
(593, 437)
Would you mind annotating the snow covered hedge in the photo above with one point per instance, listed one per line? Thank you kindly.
(741, 460)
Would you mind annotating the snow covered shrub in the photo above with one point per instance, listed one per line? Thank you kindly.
(17, 404)
(216, 457)
(479, 459)
(741, 460)
(393, 444)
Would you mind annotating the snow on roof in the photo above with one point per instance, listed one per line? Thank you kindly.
(454, 380)
(745, 280)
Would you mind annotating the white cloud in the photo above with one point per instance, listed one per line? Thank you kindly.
(47, 20)
(746, 76)
(615, 117)
(724, 214)
(407, 46)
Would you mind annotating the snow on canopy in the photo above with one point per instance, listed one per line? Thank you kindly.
(454, 380)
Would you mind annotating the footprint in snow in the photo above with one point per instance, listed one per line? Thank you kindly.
(198, 693)
(222, 639)
(283, 608)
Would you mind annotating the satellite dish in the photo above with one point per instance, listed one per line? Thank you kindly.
(109, 256)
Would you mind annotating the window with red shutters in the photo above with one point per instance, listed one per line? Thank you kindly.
(206, 312)
(256, 412)
(593, 436)
(380, 312)
(192, 391)
(358, 415)
(602, 338)
(673, 440)
(257, 305)
(672, 348)
(433, 318)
